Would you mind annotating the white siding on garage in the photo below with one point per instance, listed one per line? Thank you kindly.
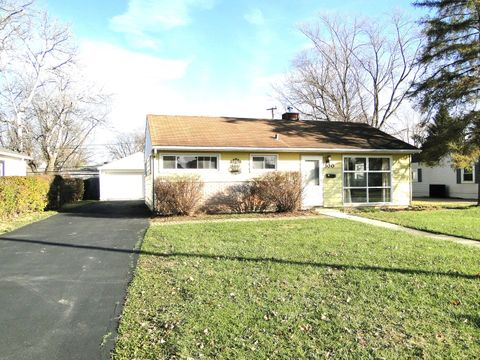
(123, 179)
(121, 185)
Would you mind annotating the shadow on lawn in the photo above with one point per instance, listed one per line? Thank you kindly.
(246, 259)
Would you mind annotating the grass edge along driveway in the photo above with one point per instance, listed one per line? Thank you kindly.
(7, 225)
(461, 222)
(299, 289)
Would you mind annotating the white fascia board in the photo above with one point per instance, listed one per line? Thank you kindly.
(16, 156)
(302, 150)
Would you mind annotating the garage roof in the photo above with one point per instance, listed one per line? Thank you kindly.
(131, 162)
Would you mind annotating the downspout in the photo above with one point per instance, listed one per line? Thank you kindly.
(153, 180)
(411, 180)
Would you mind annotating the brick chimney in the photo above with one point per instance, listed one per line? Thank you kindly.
(290, 115)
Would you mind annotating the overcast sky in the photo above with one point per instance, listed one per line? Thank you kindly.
(195, 57)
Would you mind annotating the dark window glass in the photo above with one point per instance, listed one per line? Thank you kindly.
(186, 162)
(379, 179)
(264, 162)
(270, 162)
(379, 164)
(378, 195)
(355, 195)
(355, 164)
(355, 179)
(207, 162)
(169, 162)
(467, 174)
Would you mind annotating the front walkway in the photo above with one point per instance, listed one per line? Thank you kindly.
(64, 279)
(341, 215)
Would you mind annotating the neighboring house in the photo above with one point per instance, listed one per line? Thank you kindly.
(343, 164)
(443, 180)
(13, 163)
(123, 179)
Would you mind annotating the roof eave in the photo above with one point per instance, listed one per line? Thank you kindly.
(283, 149)
(17, 156)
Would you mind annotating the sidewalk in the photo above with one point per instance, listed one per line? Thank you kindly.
(341, 215)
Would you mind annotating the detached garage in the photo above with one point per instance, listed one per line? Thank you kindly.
(123, 179)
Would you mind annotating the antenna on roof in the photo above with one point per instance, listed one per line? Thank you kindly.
(272, 109)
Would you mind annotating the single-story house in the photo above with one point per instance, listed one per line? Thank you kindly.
(13, 163)
(444, 180)
(343, 164)
(123, 179)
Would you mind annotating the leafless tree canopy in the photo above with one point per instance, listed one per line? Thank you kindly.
(47, 108)
(127, 144)
(355, 71)
(11, 25)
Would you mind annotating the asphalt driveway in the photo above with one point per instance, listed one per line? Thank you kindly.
(63, 281)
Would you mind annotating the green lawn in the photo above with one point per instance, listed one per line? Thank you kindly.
(7, 225)
(464, 222)
(314, 288)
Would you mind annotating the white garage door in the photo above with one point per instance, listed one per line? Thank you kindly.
(121, 185)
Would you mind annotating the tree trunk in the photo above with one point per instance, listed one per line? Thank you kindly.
(478, 196)
(476, 175)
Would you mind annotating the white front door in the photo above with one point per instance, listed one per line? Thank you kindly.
(311, 169)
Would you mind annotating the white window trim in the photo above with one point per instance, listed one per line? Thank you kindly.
(367, 187)
(473, 176)
(262, 170)
(2, 167)
(171, 171)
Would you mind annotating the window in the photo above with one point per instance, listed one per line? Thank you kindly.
(2, 168)
(264, 162)
(417, 175)
(190, 162)
(367, 179)
(467, 175)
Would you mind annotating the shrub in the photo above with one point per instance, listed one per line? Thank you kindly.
(240, 198)
(64, 191)
(178, 195)
(23, 194)
(281, 190)
(72, 190)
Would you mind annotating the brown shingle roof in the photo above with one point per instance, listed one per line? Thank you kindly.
(215, 132)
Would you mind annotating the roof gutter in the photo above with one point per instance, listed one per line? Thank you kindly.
(272, 149)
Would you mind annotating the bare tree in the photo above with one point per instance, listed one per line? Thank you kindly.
(64, 115)
(40, 55)
(127, 144)
(47, 109)
(355, 71)
(12, 24)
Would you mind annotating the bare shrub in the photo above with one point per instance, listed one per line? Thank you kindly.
(178, 195)
(281, 190)
(240, 198)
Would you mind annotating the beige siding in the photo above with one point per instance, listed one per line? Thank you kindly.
(401, 180)
(333, 187)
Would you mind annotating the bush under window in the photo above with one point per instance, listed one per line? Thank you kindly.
(178, 195)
